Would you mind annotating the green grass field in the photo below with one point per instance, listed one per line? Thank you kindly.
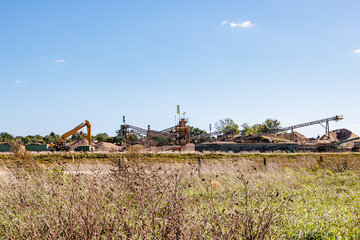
(171, 196)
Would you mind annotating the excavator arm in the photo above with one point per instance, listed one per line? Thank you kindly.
(71, 132)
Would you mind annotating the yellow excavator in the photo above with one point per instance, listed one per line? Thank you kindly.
(60, 145)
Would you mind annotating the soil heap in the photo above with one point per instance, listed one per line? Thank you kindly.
(340, 135)
(107, 147)
(337, 136)
(297, 137)
(101, 146)
(81, 142)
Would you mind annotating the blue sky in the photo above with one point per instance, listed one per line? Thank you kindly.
(63, 61)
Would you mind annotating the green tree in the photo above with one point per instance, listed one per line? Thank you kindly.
(226, 125)
(271, 125)
(76, 137)
(6, 137)
(246, 129)
(254, 129)
(38, 139)
(101, 137)
(161, 140)
(119, 139)
(48, 139)
(27, 140)
(19, 139)
(268, 126)
(52, 137)
(132, 138)
(196, 131)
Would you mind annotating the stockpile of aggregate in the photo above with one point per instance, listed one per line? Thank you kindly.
(107, 147)
(337, 136)
(81, 142)
(340, 135)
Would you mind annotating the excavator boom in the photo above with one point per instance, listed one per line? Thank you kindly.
(71, 132)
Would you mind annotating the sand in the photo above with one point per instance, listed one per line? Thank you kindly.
(82, 142)
(337, 136)
(101, 146)
(297, 137)
(107, 147)
(341, 135)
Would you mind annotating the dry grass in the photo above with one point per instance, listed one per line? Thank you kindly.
(224, 199)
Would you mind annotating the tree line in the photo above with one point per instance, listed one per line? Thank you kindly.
(51, 138)
(267, 126)
(223, 125)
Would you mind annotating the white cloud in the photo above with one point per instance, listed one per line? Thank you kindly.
(19, 82)
(245, 24)
(357, 51)
(43, 57)
(59, 61)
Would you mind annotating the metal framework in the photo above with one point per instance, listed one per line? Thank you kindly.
(291, 128)
(178, 134)
(170, 129)
(326, 120)
(141, 132)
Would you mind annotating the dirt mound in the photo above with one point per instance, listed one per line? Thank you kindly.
(336, 136)
(82, 142)
(190, 147)
(296, 137)
(340, 135)
(108, 147)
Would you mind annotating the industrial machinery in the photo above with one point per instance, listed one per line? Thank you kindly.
(345, 141)
(179, 134)
(356, 147)
(291, 128)
(334, 146)
(221, 135)
(325, 147)
(146, 136)
(182, 132)
(60, 145)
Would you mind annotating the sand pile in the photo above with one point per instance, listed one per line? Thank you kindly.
(340, 135)
(337, 136)
(297, 137)
(107, 147)
(82, 142)
(190, 147)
